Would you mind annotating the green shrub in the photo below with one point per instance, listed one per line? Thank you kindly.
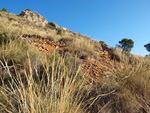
(4, 38)
(4, 9)
(126, 45)
(59, 32)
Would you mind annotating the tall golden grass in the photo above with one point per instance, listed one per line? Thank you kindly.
(52, 91)
(34, 82)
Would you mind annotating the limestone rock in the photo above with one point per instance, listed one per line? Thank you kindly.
(34, 17)
(63, 28)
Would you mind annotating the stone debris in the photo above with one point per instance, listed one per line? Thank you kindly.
(43, 44)
(96, 68)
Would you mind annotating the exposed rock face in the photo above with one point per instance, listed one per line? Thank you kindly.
(105, 46)
(107, 52)
(34, 17)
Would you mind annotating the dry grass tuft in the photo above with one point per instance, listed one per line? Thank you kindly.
(52, 90)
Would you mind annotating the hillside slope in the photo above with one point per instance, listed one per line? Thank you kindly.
(48, 68)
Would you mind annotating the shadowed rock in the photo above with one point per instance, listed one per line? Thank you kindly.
(53, 24)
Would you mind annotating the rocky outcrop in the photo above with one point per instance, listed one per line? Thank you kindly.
(34, 17)
(40, 20)
(105, 47)
(107, 52)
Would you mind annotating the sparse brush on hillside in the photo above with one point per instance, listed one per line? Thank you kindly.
(35, 82)
(125, 89)
(83, 48)
(54, 87)
(126, 58)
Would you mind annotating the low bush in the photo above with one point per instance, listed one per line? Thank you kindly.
(59, 32)
(4, 38)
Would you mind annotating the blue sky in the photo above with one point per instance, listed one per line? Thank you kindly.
(106, 20)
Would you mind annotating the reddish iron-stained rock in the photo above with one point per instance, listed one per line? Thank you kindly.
(42, 43)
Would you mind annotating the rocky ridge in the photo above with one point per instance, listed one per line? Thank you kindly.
(39, 20)
(34, 17)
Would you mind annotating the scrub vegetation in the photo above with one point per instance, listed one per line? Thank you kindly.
(34, 82)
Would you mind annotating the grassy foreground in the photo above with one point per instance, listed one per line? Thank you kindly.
(50, 91)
